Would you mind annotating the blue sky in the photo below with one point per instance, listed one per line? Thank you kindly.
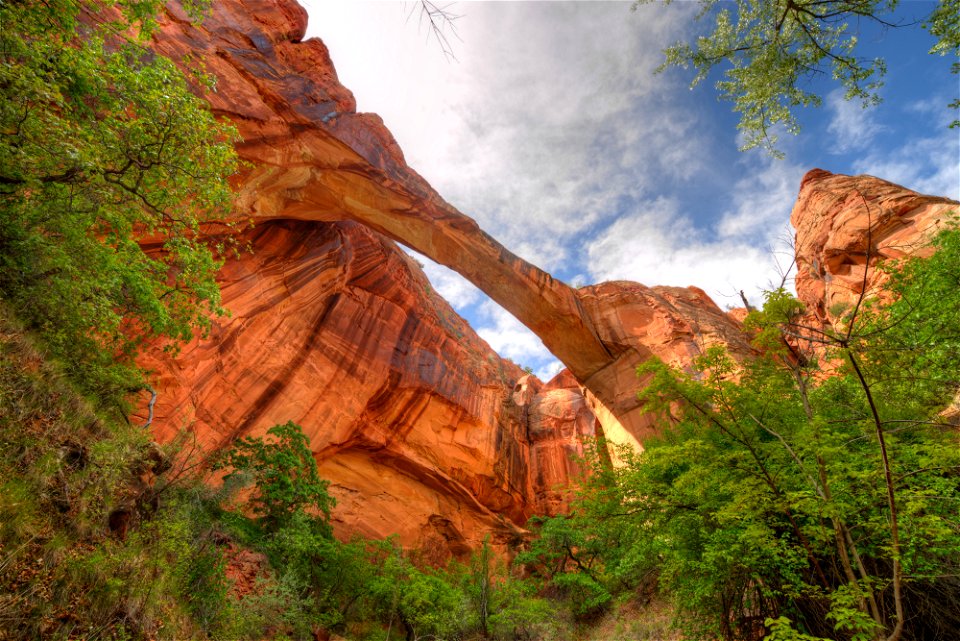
(552, 131)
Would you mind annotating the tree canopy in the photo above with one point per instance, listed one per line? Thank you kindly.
(807, 493)
(771, 49)
(108, 166)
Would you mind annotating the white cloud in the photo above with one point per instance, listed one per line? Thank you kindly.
(550, 118)
(928, 165)
(510, 338)
(451, 286)
(761, 201)
(853, 126)
(657, 245)
(549, 370)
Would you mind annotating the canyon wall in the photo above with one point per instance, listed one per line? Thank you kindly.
(421, 428)
(845, 226)
(410, 415)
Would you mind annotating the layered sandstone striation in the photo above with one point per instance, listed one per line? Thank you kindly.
(560, 426)
(409, 413)
(846, 225)
(312, 157)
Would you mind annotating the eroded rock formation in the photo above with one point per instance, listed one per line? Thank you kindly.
(842, 222)
(422, 429)
(409, 413)
(312, 157)
(674, 324)
(412, 417)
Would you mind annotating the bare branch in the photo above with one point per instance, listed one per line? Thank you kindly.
(441, 22)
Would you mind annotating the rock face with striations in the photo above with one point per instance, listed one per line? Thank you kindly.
(421, 428)
(846, 225)
(312, 157)
(409, 413)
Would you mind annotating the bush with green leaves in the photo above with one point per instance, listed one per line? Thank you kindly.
(284, 475)
(109, 167)
(567, 555)
(822, 499)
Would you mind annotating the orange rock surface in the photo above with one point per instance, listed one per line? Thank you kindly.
(674, 324)
(312, 157)
(409, 413)
(559, 424)
(846, 225)
(412, 417)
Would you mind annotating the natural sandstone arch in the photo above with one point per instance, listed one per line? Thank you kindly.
(310, 156)
(409, 412)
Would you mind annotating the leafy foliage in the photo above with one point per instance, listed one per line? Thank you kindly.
(108, 167)
(284, 473)
(807, 493)
(65, 469)
(774, 48)
(794, 502)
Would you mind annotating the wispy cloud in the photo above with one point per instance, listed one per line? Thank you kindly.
(551, 117)
(509, 338)
(928, 165)
(852, 126)
(658, 244)
(453, 287)
(553, 132)
(761, 200)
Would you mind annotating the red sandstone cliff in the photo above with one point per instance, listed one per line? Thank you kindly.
(843, 222)
(422, 429)
(412, 417)
(409, 413)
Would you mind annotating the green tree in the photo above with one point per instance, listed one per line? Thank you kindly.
(283, 472)
(790, 499)
(109, 166)
(772, 49)
(780, 491)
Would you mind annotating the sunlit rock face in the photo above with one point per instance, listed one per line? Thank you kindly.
(409, 413)
(674, 324)
(846, 225)
(331, 325)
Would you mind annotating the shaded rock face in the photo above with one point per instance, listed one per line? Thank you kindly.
(846, 225)
(409, 413)
(560, 424)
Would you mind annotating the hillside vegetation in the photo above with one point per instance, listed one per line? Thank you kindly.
(105, 535)
(809, 493)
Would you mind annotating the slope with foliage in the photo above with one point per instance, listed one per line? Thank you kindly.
(104, 535)
(100, 537)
